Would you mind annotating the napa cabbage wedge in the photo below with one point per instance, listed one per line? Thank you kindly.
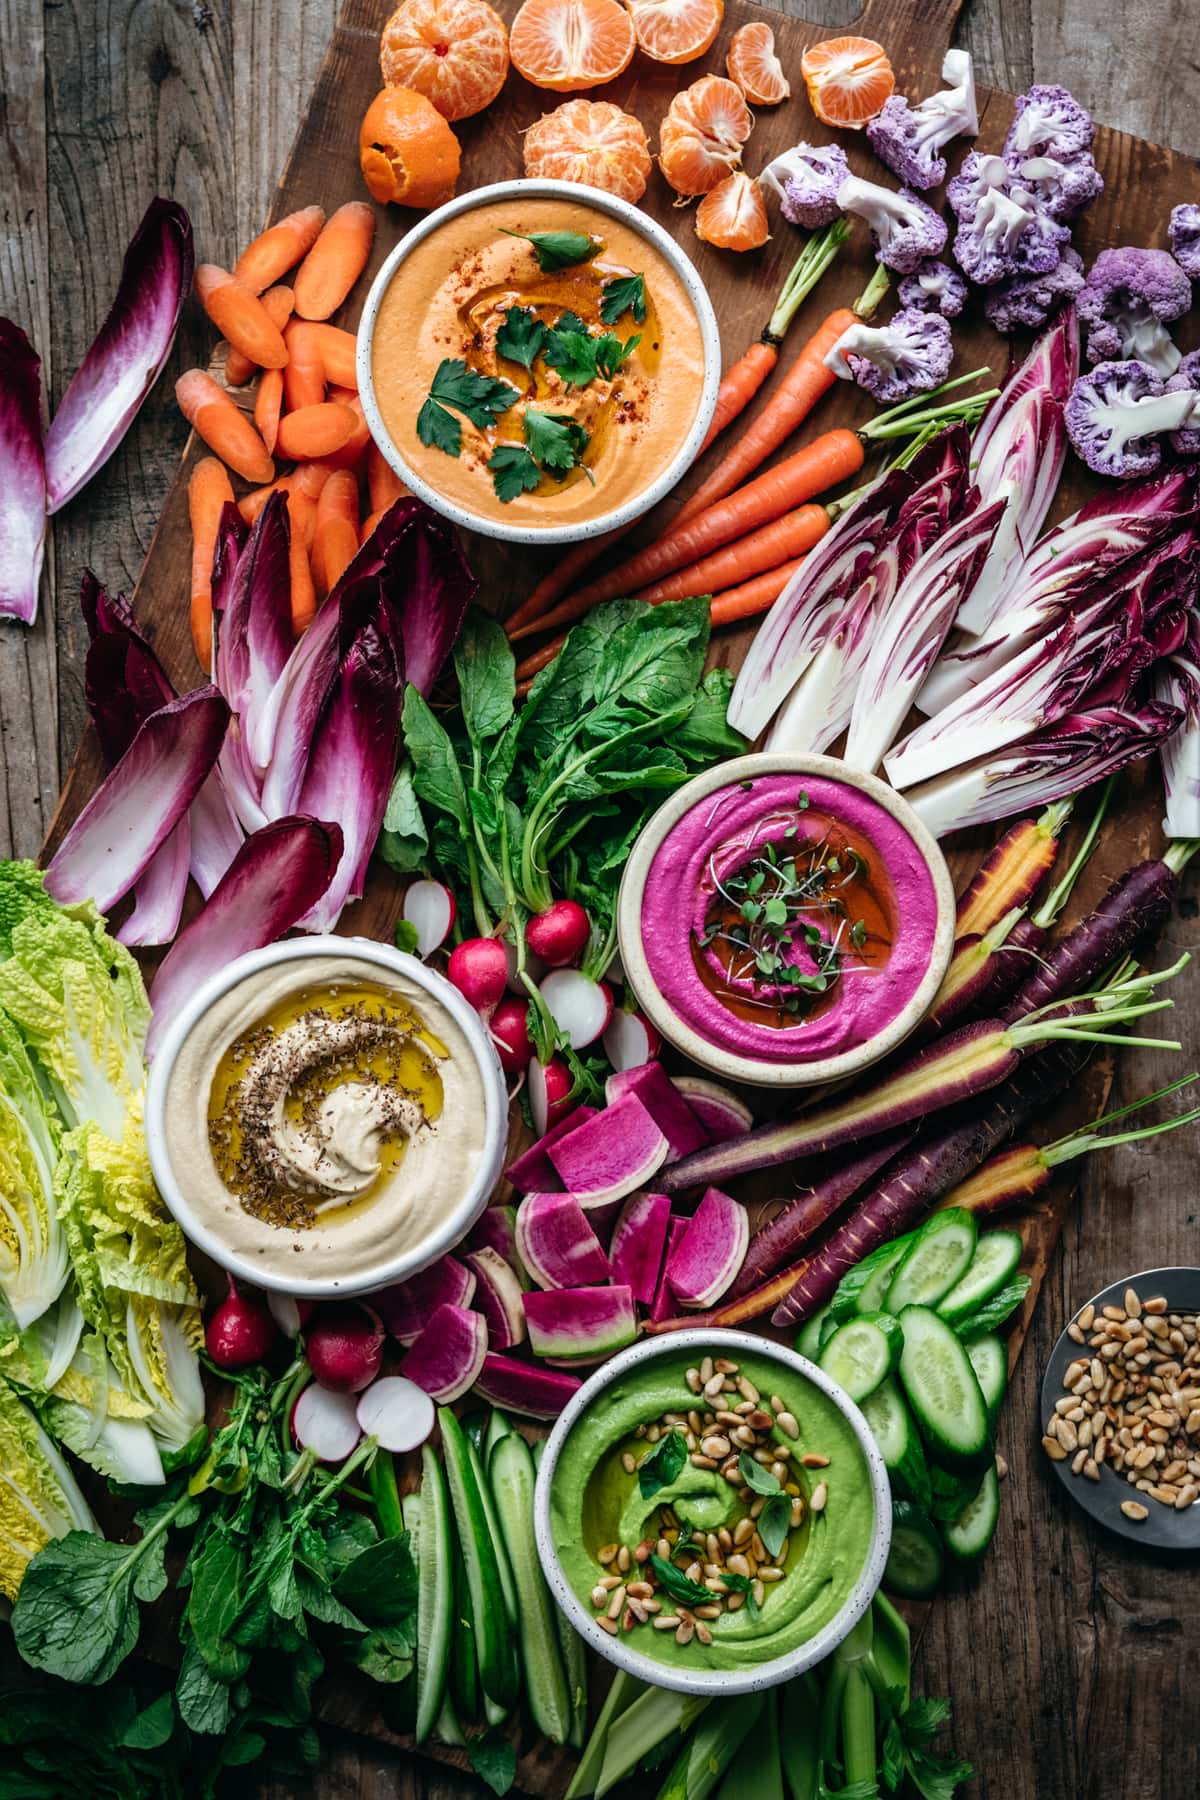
(39, 1497)
(33, 1249)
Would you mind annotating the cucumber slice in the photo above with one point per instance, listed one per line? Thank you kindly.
(943, 1390)
(494, 1639)
(915, 1561)
(938, 1255)
(996, 1257)
(968, 1536)
(463, 1687)
(512, 1480)
(828, 1326)
(489, 1507)
(862, 1352)
(574, 1651)
(988, 1356)
(893, 1429)
(497, 1427)
(808, 1343)
(427, 1516)
(862, 1289)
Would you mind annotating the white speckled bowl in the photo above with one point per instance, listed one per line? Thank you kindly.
(756, 1676)
(666, 247)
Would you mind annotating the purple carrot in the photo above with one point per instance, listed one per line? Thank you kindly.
(1011, 874)
(802, 1217)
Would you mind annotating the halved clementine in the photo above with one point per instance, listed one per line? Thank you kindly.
(569, 44)
(408, 153)
(455, 52)
(753, 64)
(848, 80)
(676, 31)
(591, 141)
(733, 215)
(700, 140)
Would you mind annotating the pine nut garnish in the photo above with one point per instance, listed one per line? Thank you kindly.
(820, 1495)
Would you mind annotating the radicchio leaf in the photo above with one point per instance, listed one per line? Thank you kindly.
(429, 581)
(159, 894)
(276, 877)
(22, 475)
(126, 355)
(254, 623)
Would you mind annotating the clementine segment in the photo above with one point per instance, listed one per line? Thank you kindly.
(591, 141)
(676, 31)
(733, 215)
(570, 44)
(455, 52)
(408, 153)
(848, 80)
(700, 140)
(754, 66)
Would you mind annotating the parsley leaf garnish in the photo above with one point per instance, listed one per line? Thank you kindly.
(513, 472)
(557, 249)
(625, 293)
(521, 336)
(480, 397)
(571, 350)
(611, 352)
(555, 440)
(663, 1465)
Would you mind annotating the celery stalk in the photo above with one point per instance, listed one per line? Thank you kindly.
(711, 1748)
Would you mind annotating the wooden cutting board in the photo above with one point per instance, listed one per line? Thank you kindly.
(1144, 182)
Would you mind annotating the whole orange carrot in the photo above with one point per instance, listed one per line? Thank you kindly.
(337, 350)
(226, 431)
(302, 514)
(789, 535)
(315, 431)
(353, 451)
(754, 596)
(560, 577)
(304, 376)
(279, 248)
(240, 316)
(268, 404)
(541, 659)
(336, 260)
(277, 304)
(335, 539)
(739, 385)
(383, 483)
(307, 478)
(208, 491)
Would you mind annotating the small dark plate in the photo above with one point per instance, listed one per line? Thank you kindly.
(1164, 1528)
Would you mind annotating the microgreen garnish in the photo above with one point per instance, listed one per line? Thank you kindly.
(662, 1466)
(557, 249)
(681, 1587)
(521, 336)
(624, 294)
(480, 397)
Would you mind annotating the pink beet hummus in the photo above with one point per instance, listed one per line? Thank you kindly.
(873, 933)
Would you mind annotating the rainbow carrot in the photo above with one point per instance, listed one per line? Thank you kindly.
(752, 597)
(776, 542)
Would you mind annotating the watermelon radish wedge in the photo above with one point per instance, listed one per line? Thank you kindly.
(665, 1304)
(525, 1388)
(637, 1244)
(532, 1172)
(496, 1229)
(497, 1297)
(448, 1355)
(580, 1324)
(407, 1307)
(666, 1105)
(556, 1243)
(721, 1113)
(611, 1155)
(710, 1251)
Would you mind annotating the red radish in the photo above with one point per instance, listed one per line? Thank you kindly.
(630, 1040)
(560, 934)
(478, 967)
(396, 1412)
(510, 1034)
(429, 908)
(449, 1353)
(240, 1332)
(523, 1387)
(532, 1172)
(291, 1315)
(406, 1307)
(550, 1086)
(579, 1006)
(324, 1423)
(345, 1348)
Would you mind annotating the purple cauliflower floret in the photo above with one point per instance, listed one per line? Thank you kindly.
(1126, 302)
(1118, 414)
(1029, 301)
(933, 287)
(1049, 121)
(909, 355)
(904, 229)
(806, 182)
(1062, 186)
(1186, 379)
(1002, 231)
(1183, 235)
(910, 139)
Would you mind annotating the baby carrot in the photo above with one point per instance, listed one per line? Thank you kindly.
(335, 540)
(226, 431)
(773, 543)
(304, 376)
(302, 514)
(369, 523)
(351, 453)
(336, 260)
(208, 491)
(315, 431)
(307, 478)
(753, 596)
(336, 349)
(240, 316)
(279, 248)
(268, 404)
(277, 304)
(383, 483)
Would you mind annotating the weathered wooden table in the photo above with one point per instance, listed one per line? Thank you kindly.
(1070, 1658)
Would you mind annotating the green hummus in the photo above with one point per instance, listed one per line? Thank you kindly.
(597, 1502)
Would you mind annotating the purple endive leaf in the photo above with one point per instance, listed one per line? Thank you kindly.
(139, 804)
(123, 680)
(22, 475)
(159, 892)
(216, 835)
(241, 780)
(253, 618)
(430, 584)
(126, 355)
(302, 692)
(353, 759)
(276, 877)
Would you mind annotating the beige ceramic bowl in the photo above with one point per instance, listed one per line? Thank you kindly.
(715, 1058)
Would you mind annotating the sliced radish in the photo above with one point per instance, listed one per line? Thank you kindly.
(325, 1423)
(560, 934)
(510, 1034)
(429, 908)
(498, 1297)
(291, 1315)
(579, 1006)
(639, 1239)
(679, 1124)
(550, 1087)
(396, 1412)
(614, 1153)
(630, 1040)
(478, 968)
(533, 1172)
(449, 1353)
(582, 1323)
(556, 1242)
(665, 1304)
(406, 1308)
(721, 1113)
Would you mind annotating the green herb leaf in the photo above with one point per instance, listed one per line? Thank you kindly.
(152, 1727)
(557, 249)
(774, 1522)
(439, 429)
(480, 397)
(484, 664)
(521, 335)
(663, 1465)
(494, 1760)
(995, 1311)
(406, 937)
(556, 441)
(611, 353)
(755, 1476)
(681, 1587)
(624, 294)
(513, 472)
(571, 351)
(380, 1585)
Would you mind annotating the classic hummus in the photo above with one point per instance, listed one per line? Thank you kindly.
(449, 300)
(808, 920)
(771, 1600)
(323, 1116)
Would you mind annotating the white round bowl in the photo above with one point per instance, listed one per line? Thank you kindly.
(667, 248)
(755, 1676)
(458, 1219)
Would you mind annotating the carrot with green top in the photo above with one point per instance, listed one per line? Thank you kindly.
(227, 432)
(240, 316)
(277, 304)
(336, 260)
(335, 539)
(279, 248)
(209, 490)
(315, 431)
(755, 554)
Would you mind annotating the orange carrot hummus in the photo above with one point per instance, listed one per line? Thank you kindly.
(480, 329)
